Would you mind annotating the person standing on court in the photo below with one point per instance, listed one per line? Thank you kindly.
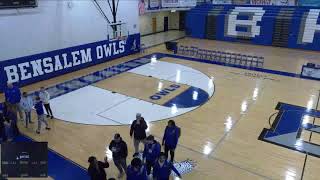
(96, 168)
(138, 130)
(13, 118)
(3, 134)
(12, 98)
(26, 104)
(136, 170)
(45, 98)
(170, 138)
(151, 152)
(119, 154)
(162, 168)
(40, 112)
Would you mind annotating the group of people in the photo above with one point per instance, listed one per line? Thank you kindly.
(152, 163)
(16, 104)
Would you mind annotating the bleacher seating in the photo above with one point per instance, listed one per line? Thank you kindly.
(281, 26)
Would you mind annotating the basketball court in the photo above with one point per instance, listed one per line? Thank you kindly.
(222, 116)
(245, 121)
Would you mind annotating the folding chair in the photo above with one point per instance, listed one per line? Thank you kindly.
(193, 50)
(223, 57)
(260, 61)
(201, 53)
(228, 58)
(243, 60)
(142, 48)
(218, 56)
(181, 49)
(233, 57)
(250, 61)
(207, 54)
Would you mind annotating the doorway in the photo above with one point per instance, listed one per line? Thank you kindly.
(165, 24)
(154, 25)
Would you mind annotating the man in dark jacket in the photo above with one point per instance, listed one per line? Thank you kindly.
(151, 152)
(13, 97)
(3, 134)
(12, 117)
(96, 168)
(138, 130)
(119, 153)
(162, 168)
(170, 138)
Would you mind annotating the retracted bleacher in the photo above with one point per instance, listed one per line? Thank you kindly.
(283, 26)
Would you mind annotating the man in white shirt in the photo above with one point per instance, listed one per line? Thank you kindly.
(26, 105)
(45, 98)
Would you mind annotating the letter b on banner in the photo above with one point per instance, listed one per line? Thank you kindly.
(242, 22)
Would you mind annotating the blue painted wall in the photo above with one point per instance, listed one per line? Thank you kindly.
(302, 21)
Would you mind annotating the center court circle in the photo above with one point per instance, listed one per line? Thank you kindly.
(94, 105)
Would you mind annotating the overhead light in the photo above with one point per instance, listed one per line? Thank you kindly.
(174, 109)
(173, 10)
(305, 119)
(160, 85)
(178, 75)
(228, 124)
(207, 148)
(310, 104)
(244, 106)
(255, 94)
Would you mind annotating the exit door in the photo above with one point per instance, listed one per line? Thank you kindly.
(154, 25)
(165, 24)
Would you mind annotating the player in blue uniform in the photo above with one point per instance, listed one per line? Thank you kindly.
(136, 171)
(162, 168)
(40, 112)
(170, 138)
(151, 152)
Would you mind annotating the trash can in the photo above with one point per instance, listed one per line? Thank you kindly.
(172, 46)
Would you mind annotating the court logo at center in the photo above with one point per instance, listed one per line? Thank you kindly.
(180, 89)
(165, 92)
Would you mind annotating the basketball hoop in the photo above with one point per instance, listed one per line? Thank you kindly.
(117, 31)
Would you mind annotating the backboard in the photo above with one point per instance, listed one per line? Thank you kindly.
(117, 30)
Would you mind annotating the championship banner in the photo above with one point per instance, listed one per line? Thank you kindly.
(261, 2)
(142, 7)
(221, 1)
(170, 3)
(273, 2)
(309, 3)
(153, 4)
(240, 1)
(188, 3)
(284, 2)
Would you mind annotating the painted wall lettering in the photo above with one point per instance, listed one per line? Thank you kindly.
(26, 70)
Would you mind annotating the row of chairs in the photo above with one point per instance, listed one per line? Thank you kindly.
(222, 57)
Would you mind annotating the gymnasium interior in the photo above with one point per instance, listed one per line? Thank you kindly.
(240, 79)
